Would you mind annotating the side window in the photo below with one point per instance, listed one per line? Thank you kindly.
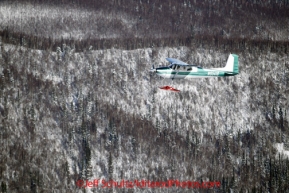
(195, 69)
(189, 69)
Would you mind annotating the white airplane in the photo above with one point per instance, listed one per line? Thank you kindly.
(181, 70)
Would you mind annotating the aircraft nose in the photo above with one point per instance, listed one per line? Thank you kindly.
(153, 69)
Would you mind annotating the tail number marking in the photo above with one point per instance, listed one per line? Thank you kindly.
(213, 73)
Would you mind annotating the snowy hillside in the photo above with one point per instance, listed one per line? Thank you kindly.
(69, 115)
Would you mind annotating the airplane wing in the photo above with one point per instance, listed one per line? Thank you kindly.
(176, 61)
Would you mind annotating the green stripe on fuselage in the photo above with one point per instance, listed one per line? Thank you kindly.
(200, 72)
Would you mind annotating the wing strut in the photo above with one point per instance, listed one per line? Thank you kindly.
(175, 74)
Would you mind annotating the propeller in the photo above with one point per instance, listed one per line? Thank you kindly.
(153, 68)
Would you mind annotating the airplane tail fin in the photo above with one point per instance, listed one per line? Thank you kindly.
(232, 65)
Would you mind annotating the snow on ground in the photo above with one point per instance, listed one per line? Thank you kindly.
(122, 77)
(281, 150)
(210, 102)
(61, 22)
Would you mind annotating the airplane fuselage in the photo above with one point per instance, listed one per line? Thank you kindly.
(191, 72)
(181, 70)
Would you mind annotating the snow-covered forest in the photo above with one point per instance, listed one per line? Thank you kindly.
(77, 100)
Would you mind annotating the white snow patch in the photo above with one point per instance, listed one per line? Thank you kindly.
(281, 150)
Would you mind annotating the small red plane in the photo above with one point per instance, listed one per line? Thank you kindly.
(169, 88)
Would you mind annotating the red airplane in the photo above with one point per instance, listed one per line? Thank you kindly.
(169, 88)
